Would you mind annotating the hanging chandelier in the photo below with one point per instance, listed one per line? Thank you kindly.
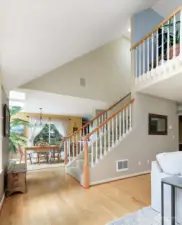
(37, 122)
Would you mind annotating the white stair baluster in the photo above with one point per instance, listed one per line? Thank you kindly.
(124, 122)
(109, 135)
(120, 123)
(136, 62)
(168, 40)
(152, 57)
(148, 54)
(139, 59)
(116, 117)
(130, 112)
(143, 57)
(112, 131)
(181, 33)
(105, 137)
(157, 48)
(162, 44)
(101, 147)
(92, 152)
(174, 36)
(96, 147)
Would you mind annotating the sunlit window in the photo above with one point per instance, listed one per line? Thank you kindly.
(17, 95)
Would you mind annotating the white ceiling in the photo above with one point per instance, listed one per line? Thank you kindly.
(37, 36)
(168, 89)
(59, 104)
(166, 7)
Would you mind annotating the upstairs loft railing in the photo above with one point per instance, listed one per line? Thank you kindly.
(73, 144)
(158, 47)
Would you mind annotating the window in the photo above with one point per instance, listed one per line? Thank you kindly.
(48, 134)
(157, 124)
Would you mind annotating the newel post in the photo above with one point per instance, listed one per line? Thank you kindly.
(86, 169)
(65, 152)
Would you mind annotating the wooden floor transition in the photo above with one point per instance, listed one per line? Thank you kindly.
(54, 198)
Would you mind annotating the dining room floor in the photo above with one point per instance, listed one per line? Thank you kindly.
(55, 198)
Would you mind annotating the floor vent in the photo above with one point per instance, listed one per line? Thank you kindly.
(122, 165)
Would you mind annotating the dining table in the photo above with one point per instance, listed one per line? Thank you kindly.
(47, 148)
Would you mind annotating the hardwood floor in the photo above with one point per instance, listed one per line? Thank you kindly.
(54, 198)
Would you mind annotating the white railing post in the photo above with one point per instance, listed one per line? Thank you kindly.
(174, 36)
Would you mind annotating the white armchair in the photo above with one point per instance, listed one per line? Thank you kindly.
(156, 175)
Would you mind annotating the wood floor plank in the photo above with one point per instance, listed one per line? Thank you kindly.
(55, 198)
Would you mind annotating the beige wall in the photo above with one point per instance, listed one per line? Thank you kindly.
(139, 146)
(73, 120)
(106, 71)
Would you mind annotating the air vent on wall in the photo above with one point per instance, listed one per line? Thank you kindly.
(82, 82)
(122, 165)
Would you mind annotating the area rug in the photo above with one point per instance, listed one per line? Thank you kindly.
(145, 216)
(32, 167)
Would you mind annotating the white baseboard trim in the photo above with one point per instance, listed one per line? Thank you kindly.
(1, 202)
(119, 178)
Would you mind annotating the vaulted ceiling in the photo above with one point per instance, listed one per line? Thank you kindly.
(39, 36)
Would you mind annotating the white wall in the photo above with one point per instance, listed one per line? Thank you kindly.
(139, 146)
(106, 71)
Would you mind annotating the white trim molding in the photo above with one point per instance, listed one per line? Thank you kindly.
(119, 178)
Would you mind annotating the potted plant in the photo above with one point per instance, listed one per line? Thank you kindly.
(175, 40)
(17, 139)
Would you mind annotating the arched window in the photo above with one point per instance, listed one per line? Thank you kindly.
(49, 134)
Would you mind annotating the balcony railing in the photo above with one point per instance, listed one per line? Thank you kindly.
(160, 46)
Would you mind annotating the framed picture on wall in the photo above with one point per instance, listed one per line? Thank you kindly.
(6, 121)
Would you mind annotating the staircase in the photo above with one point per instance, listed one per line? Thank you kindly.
(85, 151)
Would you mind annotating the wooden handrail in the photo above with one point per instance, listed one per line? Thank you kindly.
(91, 121)
(157, 28)
(106, 121)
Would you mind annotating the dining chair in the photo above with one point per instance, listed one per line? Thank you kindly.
(56, 154)
(43, 153)
(22, 154)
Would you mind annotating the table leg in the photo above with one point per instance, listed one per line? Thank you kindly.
(162, 203)
(173, 205)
